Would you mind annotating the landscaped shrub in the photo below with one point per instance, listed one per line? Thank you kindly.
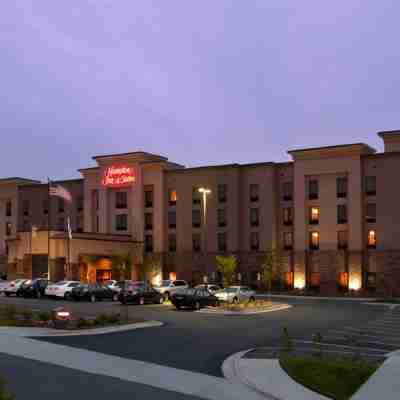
(44, 316)
(114, 318)
(27, 314)
(10, 312)
(82, 323)
(101, 319)
(4, 395)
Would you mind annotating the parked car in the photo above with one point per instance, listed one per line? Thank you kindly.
(211, 287)
(92, 292)
(33, 288)
(61, 289)
(3, 285)
(140, 294)
(168, 287)
(13, 287)
(236, 294)
(118, 285)
(194, 298)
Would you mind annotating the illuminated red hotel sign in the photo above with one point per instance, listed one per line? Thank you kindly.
(118, 176)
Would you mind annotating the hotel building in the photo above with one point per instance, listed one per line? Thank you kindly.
(333, 211)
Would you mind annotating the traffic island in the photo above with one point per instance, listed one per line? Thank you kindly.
(245, 308)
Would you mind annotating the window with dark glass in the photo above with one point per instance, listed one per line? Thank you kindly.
(314, 216)
(121, 200)
(341, 214)
(121, 222)
(172, 219)
(79, 224)
(342, 240)
(61, 224)
(196, 242)
(196, 218)
(221, 217)
(288, 216)
(254, 192)
(254, 241)
(371, 213)
(371, 239)
(314, 240)
(148, 198)
(25, 206)
(8, 228)
(222, 241)
(222, 193)
(79, 203)
(97, 227)
(8, 208)
(172, 197)
(172, 243)
(196, 195)
(287, 191)
(254, 217)
(313, 189)
(148, 221)
(95, 199)
(370, 185)
(288, 240)
(341, 187)
(148, 243)
(61, 205)
(45, 206)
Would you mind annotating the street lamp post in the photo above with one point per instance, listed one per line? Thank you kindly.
(205, 192)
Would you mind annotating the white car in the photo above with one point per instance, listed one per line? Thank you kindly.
(61, 289)
(116, 286)
(13, 286)
(3, 285)
(168, 287)
(235, 294)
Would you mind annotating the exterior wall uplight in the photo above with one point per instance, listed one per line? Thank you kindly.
(299, 281)
(354, 283)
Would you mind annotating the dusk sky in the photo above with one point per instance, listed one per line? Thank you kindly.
(201, 82)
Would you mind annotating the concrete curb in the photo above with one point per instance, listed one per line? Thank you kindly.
(48, 332)
(239, 313)
(390, 305)
(288, 296)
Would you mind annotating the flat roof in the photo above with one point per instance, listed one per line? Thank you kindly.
(389, 133)
(337, 146)
(133, 153)
(17, 179)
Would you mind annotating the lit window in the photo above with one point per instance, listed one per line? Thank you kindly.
(288, 216)
(314, 215)
(172, 197)
(288, 240)
(314, 240)
(371, 242)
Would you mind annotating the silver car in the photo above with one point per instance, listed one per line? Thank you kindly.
(168, 287)
(236, 294)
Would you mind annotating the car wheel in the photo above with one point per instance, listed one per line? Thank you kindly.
(115, 297)
(252, 299)
(141, 301)
(92, 298)
(197, 306)
(7, 294)
(67, 296)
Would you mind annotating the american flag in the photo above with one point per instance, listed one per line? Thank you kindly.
(60, 191)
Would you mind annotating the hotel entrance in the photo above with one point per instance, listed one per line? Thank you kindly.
(103, 275)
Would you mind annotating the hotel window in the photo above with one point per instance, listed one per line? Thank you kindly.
(341, 187)
(287, 240)
(61, 224)
(254, 241)
(222, 242)
(148, 243)
(172, 197)
(79, 203)
(196, 242)
(313, 189)
(121, 200)
(79, 224)
(222, 193)
(26, 225)
(314, 240)
(342, 240)
(196, 195)
(314, 216)
(254, 217)
(288, 216)
(45, 206)
(370, 185)
(171, 219)
(97, 227)
(342, 214)
(8, 228)
(8, 208)
(95, 199)
(25, 206)
(196, 218)
(61, 205)
(148, 221)
(287, 191)
(370, 213)
(121, 222)
(254, 192)
(172, 243)
(148, 197)
(371, 239)
(221, 217)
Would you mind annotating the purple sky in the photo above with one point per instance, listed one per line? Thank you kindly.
(202, 82)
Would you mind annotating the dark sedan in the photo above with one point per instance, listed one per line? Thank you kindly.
(33, 288)
(92, 292)
(194, 298)
(140, 294)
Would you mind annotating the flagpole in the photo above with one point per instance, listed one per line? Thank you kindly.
(48, 228)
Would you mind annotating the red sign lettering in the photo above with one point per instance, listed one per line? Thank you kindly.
(118, 176)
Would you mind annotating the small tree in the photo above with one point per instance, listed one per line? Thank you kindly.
(122, 265)
(151, 269)
(227, 265)
(271, 267)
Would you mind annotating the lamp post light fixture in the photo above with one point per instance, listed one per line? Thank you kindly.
(205, 192)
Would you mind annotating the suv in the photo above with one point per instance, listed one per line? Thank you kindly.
(168, 287)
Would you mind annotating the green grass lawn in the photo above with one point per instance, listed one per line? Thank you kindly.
(337, 378)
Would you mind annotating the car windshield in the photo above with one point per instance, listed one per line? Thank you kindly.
(164, 283)
(231, 290)
(61, 283)
(108, 282)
